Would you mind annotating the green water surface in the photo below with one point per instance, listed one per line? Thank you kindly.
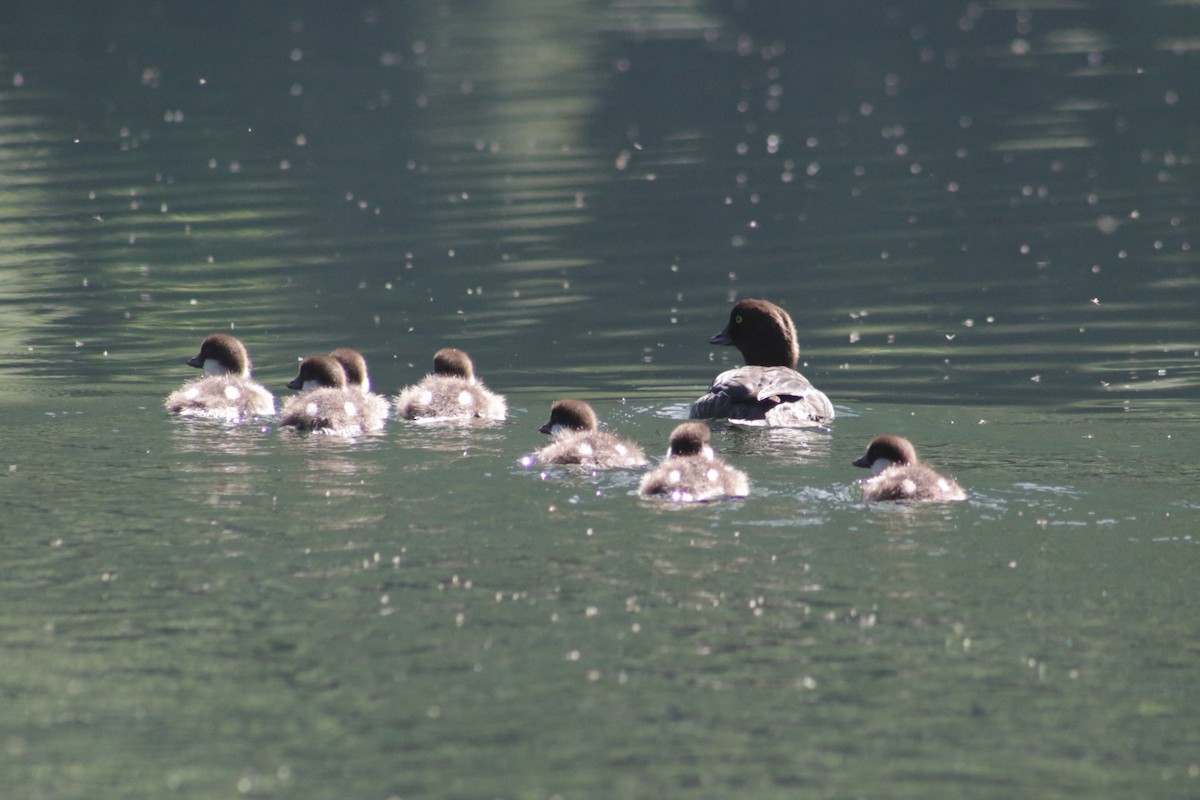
(981, 215)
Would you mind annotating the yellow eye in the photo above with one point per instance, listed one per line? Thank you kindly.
(738, 319)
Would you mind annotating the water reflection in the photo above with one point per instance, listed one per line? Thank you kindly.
(787, 446)
(216, 437)
(33, 258)
(331, 466)
(224, 464)
(465, 439)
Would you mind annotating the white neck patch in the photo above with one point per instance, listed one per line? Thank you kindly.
(880, 465)
(214, 367)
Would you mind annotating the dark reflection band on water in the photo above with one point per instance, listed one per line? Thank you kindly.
(227, 209)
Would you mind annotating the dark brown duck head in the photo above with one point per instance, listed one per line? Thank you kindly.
(763, 332)
(689, 439)
(453, 362)
(222, 354)
(355, 366)
(886, 451)
(573, 415)
(318, 372)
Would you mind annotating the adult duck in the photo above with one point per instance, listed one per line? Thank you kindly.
(767, 390)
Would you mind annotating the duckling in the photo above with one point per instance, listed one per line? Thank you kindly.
(897, 474)
(579, 440)
(225, 391)
(358, 379)
(355, 366)
(692, 472)
(450, 392)
(325, 403)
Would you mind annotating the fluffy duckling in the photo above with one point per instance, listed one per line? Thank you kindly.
(579, 440)
(691, 471)
(768, 390)
(897, 474)
(355, 366)
(358, 379)
(450, 392)
(225, 391)
(325, 403)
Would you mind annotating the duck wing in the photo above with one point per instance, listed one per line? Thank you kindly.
(776, 396)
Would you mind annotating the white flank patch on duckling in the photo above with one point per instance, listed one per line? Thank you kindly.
(232, 392)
